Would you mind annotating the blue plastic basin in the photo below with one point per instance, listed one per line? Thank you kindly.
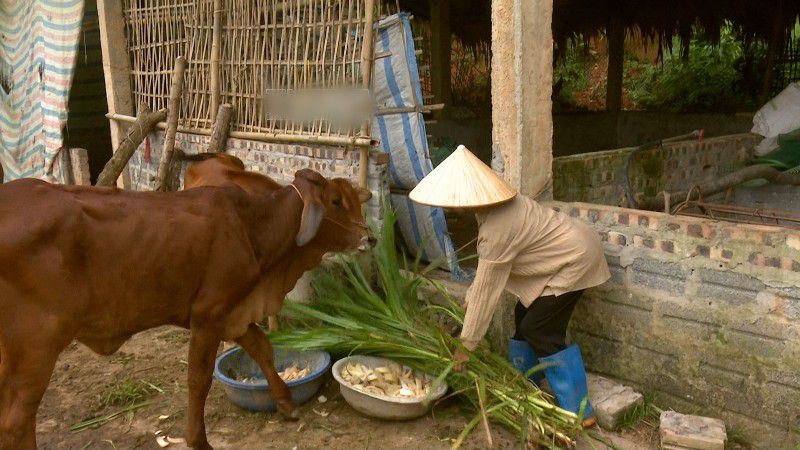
(255, 396)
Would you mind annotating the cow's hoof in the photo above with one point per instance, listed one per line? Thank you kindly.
(289, 412)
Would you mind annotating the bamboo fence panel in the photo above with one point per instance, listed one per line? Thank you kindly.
(264, 45)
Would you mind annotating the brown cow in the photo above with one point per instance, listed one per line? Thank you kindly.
(100, 264)
(219, 169)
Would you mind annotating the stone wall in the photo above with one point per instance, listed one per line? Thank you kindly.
(598, 177)
(705, 314)
(279, 161)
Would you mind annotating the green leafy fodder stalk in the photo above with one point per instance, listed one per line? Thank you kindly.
(350, 314)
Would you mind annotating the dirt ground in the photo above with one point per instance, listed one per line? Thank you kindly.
(82, 380)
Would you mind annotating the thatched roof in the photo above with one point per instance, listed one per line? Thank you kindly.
(659, 20)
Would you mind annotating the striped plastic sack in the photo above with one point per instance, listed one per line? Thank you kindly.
(396, 86)
(38, 47)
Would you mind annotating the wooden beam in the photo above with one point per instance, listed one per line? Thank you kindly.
(116, 69)
(355, 141)
(441, 43)
(616, 59)
(367, 61)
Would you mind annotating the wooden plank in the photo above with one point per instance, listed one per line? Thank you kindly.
(116, 69)
(79, 162)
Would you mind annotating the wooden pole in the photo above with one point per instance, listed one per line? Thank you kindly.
(441, 42)
(116, 68)
(173, 112)
(616, 59)
(145, 122)
(355, 141)
(222, 125)
(774, 45)
(367, 59)
(216, 42)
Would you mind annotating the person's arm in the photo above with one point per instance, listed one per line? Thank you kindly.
(482, 299)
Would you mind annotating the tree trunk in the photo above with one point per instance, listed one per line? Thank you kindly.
(222, 125)
(174, 111)
(146, 121)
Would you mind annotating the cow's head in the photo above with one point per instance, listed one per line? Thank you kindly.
(331, 212)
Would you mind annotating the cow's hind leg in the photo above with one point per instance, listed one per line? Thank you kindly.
(256, 344)
(202, 351)
(24, 374)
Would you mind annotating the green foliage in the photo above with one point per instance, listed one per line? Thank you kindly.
(351, 314)
(710, 78)
(571, 74)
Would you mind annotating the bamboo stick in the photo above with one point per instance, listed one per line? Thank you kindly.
(144, 122)
(214, 75)
(367, 59)
(222, 124)
(355, 141)
(173, 111)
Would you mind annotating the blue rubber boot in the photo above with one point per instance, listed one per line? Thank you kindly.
(522, 357)
(567, 377)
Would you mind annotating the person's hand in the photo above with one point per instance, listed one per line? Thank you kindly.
(460, 358)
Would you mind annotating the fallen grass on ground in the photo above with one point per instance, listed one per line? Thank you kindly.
(128, 392)
(647, 413)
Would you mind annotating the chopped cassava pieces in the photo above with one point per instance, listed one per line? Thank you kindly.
(349, 314)
(391, 380)
(290, 373)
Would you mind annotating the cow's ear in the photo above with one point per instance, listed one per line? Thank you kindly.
(313, 213)
(310, 186)
(363, 194)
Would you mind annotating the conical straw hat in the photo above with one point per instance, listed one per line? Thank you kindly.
(462, 181)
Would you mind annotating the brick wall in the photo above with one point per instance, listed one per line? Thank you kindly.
(598, 177)
(706, 314)
(279, 161)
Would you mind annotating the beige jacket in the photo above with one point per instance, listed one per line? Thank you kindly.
(531, 251)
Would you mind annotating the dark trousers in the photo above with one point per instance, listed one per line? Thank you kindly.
(544, 324)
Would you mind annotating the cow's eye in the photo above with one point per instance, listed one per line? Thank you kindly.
(337, 202)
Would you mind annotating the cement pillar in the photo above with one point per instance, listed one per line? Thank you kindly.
(441, 43)
(522, 84)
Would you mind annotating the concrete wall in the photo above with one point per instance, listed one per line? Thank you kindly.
(598, 177)
(706, 314)
(279, 161)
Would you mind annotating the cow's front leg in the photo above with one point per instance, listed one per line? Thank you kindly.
(202, 351)
(256, 344)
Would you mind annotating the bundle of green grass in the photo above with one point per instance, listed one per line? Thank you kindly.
(351, 314)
